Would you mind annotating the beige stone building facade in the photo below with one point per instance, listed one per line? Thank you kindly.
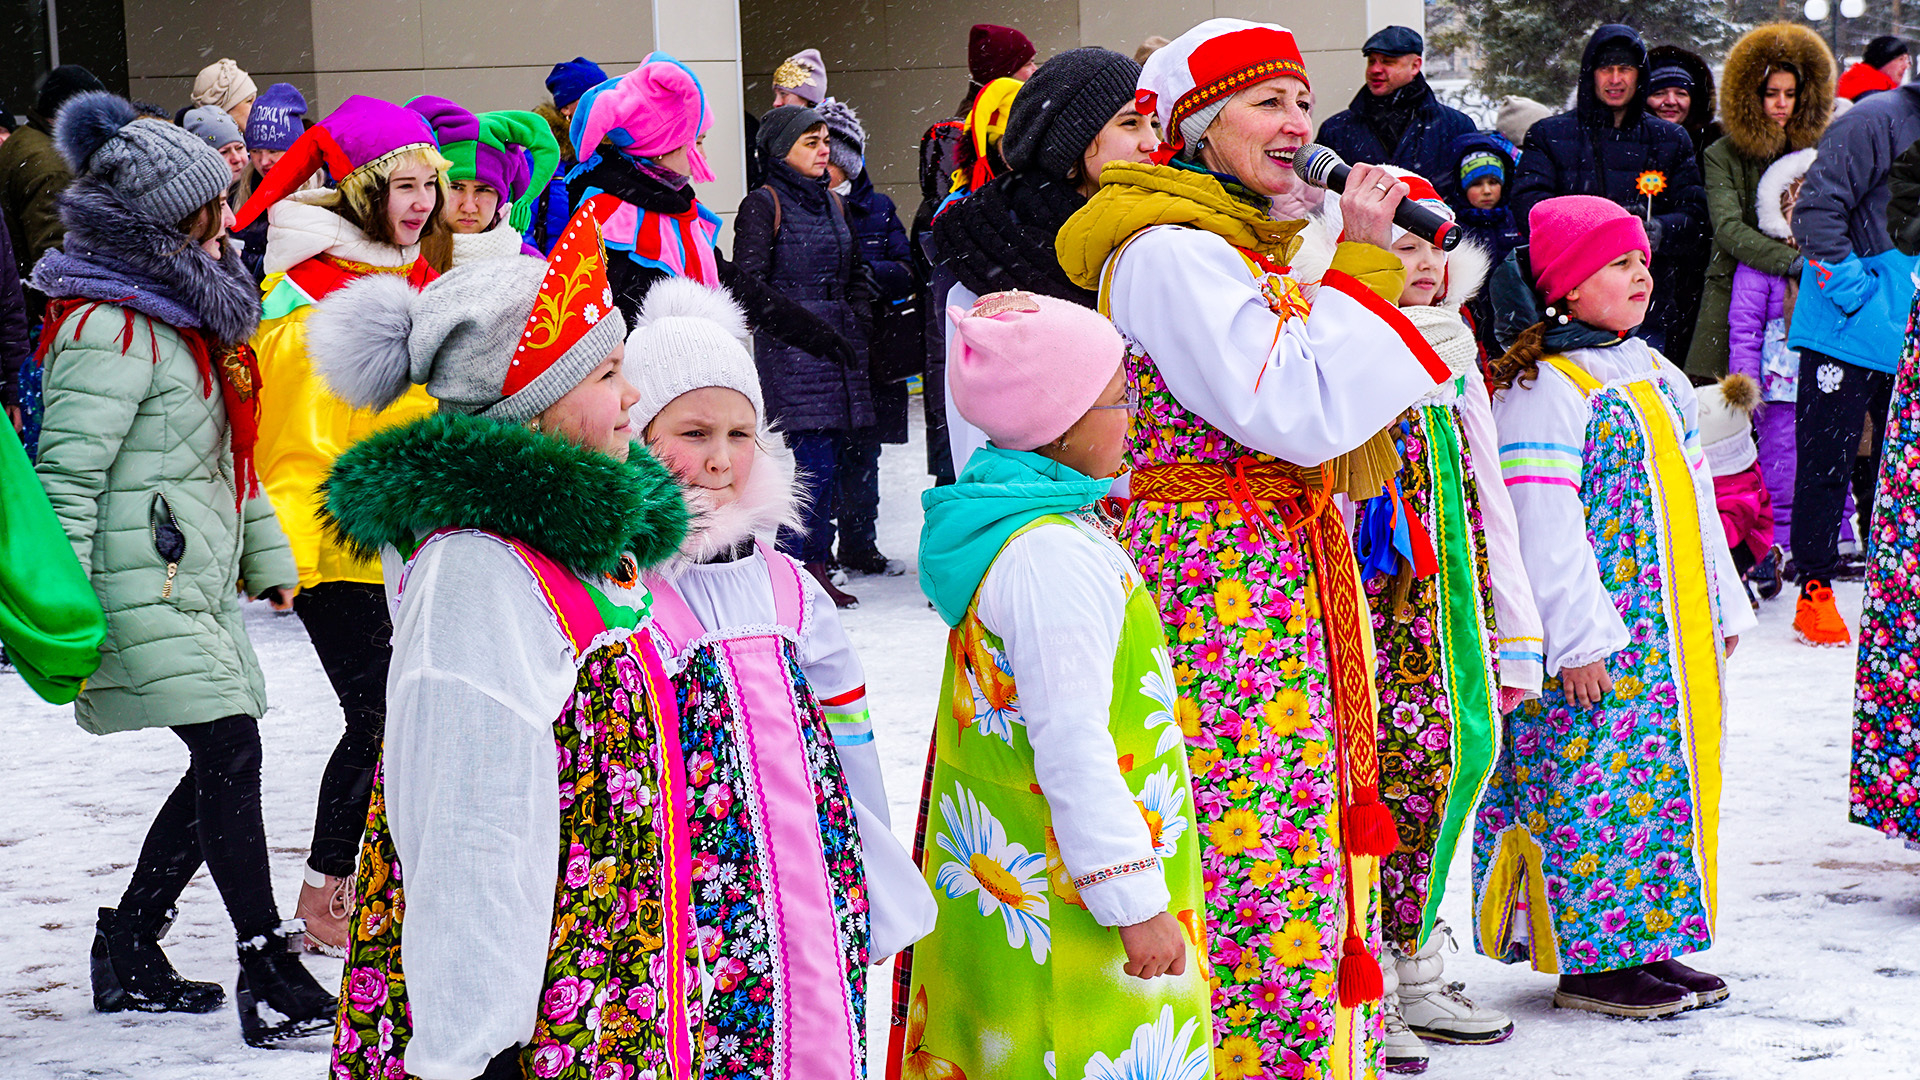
(901, 63)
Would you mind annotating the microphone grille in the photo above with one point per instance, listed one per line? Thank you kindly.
(1313, 163)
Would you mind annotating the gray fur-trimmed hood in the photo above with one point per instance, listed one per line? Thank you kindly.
(113, 253)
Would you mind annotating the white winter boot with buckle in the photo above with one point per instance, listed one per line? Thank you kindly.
(1436, 1010)
(1401, 1048)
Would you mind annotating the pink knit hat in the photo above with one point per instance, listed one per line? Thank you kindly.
(1030, 367)
(1574, 235)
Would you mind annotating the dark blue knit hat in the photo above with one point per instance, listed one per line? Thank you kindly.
(568, 80)
(274, 123)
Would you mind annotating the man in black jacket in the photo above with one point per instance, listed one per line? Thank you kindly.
(1396, 119)
(1604, 147)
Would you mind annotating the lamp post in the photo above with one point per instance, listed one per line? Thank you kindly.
(1818, 11)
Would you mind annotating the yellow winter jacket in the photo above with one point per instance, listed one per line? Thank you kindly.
(303, 427)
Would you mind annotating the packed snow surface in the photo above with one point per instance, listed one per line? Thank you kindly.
(1819, 930)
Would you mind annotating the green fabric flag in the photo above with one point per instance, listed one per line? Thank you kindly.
(50, 619)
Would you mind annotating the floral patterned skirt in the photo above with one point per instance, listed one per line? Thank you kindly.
(1438, 725)
(1250, 656)
(603, 1010)
(1884, 789)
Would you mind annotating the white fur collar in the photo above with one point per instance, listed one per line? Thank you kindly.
(1467, 268)
(772, 499)
(298, 230)
(1773, 184)
(496, 243)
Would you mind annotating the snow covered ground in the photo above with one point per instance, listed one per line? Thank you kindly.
(1819, 924)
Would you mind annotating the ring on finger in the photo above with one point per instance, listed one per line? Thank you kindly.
(1380, 185)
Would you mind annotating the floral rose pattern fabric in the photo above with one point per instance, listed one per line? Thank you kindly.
(599, 1013)
(1886, 735)
(1594, 807)
(733, 869)
(1250, 666)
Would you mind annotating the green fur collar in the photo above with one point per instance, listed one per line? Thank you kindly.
(580, 508)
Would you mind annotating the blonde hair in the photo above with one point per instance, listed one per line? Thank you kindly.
(361, 197)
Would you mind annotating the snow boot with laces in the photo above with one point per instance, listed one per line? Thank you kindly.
(1401, 1050)
(130, 972)
(1436, 1010)
(325, 908)
(271, 975)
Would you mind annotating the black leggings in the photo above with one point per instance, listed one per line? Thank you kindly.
(213, 816)
(347, 622)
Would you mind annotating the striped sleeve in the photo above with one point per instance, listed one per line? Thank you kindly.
(848, 718)
(1540, 463)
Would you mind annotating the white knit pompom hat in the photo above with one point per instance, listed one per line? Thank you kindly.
(689, 337)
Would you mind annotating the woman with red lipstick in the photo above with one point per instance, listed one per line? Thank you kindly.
(390, 183)
(1262, 395)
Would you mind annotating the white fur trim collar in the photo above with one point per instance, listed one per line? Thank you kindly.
(298, 230)
(1773, 184)
(772, 499)
(496, 243)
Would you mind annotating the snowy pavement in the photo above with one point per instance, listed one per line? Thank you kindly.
(1819, 924)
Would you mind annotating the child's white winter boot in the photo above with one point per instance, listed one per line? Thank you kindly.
(1401, 1048)
(1437, 1010)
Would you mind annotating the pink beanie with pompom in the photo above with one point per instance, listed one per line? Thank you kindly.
(1029, 367)
(1573, 236)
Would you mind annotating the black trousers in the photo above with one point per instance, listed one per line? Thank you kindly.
(213, 816)
(1835, 398)
(857, 502)
(351, 631)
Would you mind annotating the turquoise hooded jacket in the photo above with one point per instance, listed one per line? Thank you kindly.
(968, 522)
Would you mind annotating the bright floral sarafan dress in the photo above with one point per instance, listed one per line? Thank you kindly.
(1253, 671)
(1018, 981)
(1601, 824)
(621, 996)
(780, 894)
(1885, 781)
(1435, 640)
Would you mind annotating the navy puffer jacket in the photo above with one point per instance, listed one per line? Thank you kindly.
(1425, 147)
(1583, 153)
(813, 259)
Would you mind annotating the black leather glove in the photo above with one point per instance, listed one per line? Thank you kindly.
(1654, 227)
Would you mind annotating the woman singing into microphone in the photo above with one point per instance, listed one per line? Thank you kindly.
(1262, 392)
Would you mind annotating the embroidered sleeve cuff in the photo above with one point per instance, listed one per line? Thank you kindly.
(1131, 893)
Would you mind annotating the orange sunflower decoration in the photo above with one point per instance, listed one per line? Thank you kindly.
(1651, 183)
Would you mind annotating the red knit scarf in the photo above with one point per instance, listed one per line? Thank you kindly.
(234, 367)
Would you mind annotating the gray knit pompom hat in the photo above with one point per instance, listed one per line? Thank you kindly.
(457, 337)
(163, 171)
(847, 146)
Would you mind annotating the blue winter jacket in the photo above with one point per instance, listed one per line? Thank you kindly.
(1857, 287)
(1426, 147)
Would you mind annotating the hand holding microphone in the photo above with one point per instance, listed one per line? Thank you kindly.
(1321, 167)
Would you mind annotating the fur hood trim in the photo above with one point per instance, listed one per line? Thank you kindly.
(577, 506)
(103, 229)
(1467, 265)
(1753, 57)
(772, 500)
(1467, 268)
(1773, 184)
(298, 229)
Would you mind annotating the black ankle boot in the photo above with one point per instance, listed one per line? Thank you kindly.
(130, 972)
(271, 974)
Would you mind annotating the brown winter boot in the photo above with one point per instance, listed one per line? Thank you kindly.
(326, 905)
(841, 599)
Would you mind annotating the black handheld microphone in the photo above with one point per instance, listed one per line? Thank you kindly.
(1321, 167)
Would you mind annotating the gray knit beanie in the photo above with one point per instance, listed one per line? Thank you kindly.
(782, 127)
(213, 125)
(848, 150)
(163, 171)
(1060, 110)
(457, 337)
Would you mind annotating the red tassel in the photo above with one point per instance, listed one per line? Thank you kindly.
(1370, 829)
(1425, 563)
(1359, 974)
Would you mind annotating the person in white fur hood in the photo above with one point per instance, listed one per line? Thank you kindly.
(792, 844)
(1457, 634)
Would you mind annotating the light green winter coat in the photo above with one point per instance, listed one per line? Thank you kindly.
(130, 437)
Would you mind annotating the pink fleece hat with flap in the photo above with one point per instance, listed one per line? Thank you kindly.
(1029, 367)
(1573, 236)
(654, 109)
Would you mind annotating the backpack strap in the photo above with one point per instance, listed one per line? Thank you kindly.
(775, 196)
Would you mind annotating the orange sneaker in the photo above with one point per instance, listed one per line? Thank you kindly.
(1817, 621)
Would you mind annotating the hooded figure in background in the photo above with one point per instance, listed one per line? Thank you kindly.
(1611, 145)
(1673, 69)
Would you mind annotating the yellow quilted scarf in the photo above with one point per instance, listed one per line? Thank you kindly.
(1133, 197)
